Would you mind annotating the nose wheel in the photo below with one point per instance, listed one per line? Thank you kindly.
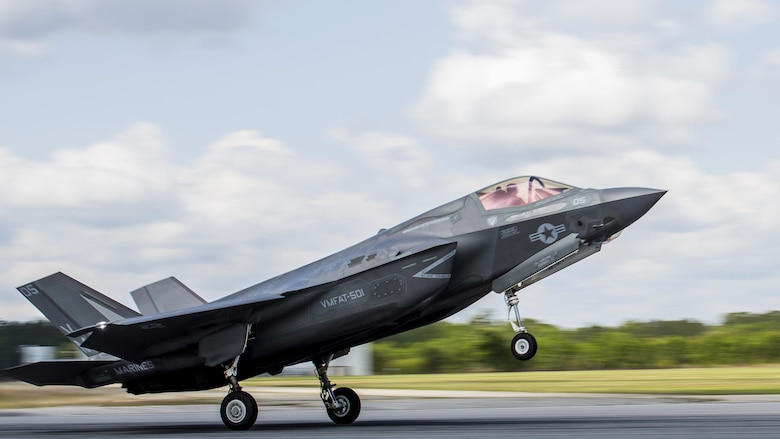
(523, 344)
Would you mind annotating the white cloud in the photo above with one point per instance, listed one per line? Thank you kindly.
(601, 12)
(13, 48)
(31, 19)
(129, 169)
(768, 67)
(513, 80)
(120, 213)
(772, 58)
(394, 156)
(250, 207)
(24, 25)
(245, 180)
(510, 21)
(34, 19)
(739, 15)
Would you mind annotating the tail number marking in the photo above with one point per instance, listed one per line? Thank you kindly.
(28, 290)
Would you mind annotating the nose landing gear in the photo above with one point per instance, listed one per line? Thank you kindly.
(523, 344)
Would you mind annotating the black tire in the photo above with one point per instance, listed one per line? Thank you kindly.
(239, 411)
(350, 410)
(523, 346)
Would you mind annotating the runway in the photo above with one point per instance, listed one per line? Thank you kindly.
(391, 417)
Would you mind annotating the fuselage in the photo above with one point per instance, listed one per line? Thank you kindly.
(373, 289)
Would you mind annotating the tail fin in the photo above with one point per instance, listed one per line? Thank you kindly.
(165, 295)
(71, 305)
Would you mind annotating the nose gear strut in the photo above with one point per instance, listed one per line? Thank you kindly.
(512, 301)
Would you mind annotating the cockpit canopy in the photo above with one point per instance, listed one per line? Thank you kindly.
(519, 192)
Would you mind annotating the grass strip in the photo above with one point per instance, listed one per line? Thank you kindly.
(743, 380)
(685, 381)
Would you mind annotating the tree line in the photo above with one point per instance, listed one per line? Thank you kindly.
(42, 333)
(482, 345)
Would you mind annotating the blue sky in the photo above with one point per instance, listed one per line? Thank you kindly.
(224, 142)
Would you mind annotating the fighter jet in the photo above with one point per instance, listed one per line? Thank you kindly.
(502, 238)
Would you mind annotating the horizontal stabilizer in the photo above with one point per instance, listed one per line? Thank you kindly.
(70, 305)
(164, 296)
(47, 373)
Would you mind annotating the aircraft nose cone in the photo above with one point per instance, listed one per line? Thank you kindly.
(630, 203)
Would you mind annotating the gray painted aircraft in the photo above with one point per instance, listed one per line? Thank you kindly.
(502, 238)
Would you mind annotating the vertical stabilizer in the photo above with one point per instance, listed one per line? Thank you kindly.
(71, 305)
(165, 295)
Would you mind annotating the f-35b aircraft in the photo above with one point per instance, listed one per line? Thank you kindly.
(502, 238)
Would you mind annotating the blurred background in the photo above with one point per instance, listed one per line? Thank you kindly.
(225, 142)
(482, 345)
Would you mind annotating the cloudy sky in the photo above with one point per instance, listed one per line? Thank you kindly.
(224, 142)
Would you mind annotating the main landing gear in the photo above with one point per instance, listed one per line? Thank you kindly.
(523, 344)
(238, 409)
(342, 404)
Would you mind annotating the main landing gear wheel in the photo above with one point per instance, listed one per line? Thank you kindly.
(523, 346)
(349, 409)
(239, 410)
(342, 404)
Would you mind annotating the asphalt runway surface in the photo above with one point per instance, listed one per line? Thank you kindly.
(397, 417)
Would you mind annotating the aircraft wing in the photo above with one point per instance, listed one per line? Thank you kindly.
(207, 326)
(218, 329)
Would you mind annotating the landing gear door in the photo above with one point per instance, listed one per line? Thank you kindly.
(538, 266)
